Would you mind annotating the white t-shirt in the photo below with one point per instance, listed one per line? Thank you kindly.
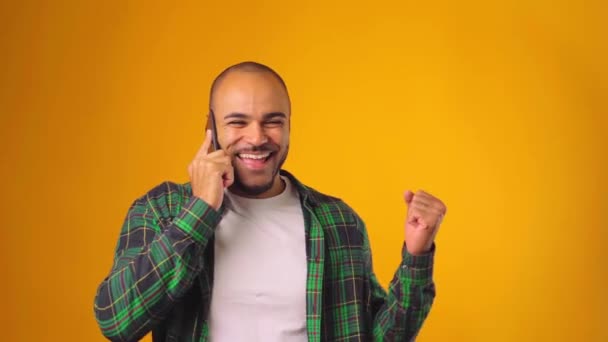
(259, 281)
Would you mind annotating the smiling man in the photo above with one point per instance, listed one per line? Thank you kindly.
(245, 252)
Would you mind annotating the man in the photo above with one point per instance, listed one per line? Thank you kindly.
(245, 252)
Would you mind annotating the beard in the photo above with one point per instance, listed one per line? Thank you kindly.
(255, 190)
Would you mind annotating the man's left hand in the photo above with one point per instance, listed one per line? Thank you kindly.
(424, 215)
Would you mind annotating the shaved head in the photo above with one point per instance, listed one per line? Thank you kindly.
(248, 66)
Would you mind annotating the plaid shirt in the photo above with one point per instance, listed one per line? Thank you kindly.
(162, 275)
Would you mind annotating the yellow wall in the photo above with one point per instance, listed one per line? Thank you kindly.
(499, 109)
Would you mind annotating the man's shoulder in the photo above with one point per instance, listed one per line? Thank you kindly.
(342, 226)
(331, 208)
(165, 197)
(320, 201)
(167, 188)
(323, 199)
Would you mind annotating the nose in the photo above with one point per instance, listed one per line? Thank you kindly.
(255, 134)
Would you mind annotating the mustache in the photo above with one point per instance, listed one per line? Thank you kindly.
(267, 147)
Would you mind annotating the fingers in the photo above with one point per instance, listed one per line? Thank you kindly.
(424, 210)
(228, 177)
(424, 215)
(201, 153)
(424, 200)
(409, 195)
(210, 173)
(204, 150)
(216, 160)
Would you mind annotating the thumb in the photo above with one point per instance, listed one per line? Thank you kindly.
(408, 196)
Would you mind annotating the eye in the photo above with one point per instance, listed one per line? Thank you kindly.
(274, 123)
(237, 123)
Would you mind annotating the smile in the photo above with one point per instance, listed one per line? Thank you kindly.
(253, 156)
(255, 161)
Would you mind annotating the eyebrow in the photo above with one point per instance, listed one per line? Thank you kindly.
(266, 116)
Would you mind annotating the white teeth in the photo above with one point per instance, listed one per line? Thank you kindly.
(254, 156)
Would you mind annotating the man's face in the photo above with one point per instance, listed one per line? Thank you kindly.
(252, 117)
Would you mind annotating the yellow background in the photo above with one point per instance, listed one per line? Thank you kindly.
(500, 109)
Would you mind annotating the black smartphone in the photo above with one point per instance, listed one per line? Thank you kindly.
(215, 145)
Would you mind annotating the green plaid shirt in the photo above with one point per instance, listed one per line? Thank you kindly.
(162, 275)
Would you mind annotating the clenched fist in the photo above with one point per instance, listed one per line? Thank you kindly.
(424, 215)
(210, 173)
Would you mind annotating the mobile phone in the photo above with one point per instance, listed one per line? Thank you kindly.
(215, 145)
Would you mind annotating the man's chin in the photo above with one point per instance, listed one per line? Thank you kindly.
(246, 189)
(251, 184)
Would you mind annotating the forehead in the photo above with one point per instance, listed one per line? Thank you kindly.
(250, 93)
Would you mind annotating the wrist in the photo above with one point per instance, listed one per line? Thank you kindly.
(419, 250)
(210, 199)
(421, 261)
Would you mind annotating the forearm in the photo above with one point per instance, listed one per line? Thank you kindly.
(408, 301)
(147, 279)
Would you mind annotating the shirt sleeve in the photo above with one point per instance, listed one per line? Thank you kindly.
(152, 268)
(399, 313)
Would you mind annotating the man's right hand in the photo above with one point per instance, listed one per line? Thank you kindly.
(210, 173)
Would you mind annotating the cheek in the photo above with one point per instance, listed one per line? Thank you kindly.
(228, 137)
(279, 137)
